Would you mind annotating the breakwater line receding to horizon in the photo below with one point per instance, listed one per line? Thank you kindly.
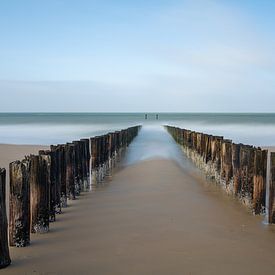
(240, 169)
(40, 185)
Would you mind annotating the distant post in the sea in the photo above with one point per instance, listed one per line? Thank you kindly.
(145, 116)
(157, 116)
(19, 222)
(4, 246)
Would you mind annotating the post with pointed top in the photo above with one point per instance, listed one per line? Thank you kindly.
(4, 246)
(19, 222)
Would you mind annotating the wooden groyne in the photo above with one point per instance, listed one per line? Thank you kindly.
(41, 185)
(240, 169)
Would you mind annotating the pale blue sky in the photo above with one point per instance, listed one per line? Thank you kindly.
(120, 55)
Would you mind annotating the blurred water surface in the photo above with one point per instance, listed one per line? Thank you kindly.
(52, 128)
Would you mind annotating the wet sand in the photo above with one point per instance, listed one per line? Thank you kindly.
(153, 217)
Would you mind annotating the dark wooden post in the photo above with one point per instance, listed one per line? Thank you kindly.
(271, 191)
(198, 143)
(99, 158)
(55, 206)
(78, 167)
(62, 175)
(40, 192)
(19, 221)
(259, 181)
(85, 163)
(110, 152)
(226, 161)
(4, 246)
(208, 156)
(93, 161)
(236, 168)
(247, 169)
(70, 177)
(93, 152)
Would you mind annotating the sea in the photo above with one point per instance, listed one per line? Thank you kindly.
(256, 129)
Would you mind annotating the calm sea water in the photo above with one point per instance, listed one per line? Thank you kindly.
(52, 128)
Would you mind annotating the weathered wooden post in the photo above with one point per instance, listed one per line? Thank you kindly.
(55, 187)
(40, 192)
(19, 221)
(226, 162)
(92, 161)
(4, 246)
(115, 137)
(49, 159)
(271, 191)
(259, 181)
(118, 151)
(102, 157)
(97, 158)
(246, 173)
(216, 152)
(70, 169)
(198, 143)
(78, 167)
(106, 158)
(62, 175)
(208, 152)
(85, 163)
(113, 149)
(236, 169)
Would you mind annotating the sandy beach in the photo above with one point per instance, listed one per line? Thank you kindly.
(152, 217)
(155, 123)
(11, 152)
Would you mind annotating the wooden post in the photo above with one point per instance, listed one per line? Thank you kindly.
(40, 192)
(208, 156)
(4, 246)
(93, 161)
(70, 177)
(226, 161)
(49, 156)
(93, 152)
(110, 152)
(62, 175)
(19, 221)
(271, 206)
(236, 169)
(55, 206)
(246, 169)
(78, 167)
(85, 163)
(259, 181)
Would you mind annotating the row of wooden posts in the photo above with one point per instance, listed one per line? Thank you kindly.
(40, 185)
(240, 169)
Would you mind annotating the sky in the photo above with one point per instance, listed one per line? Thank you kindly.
(137, 56)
